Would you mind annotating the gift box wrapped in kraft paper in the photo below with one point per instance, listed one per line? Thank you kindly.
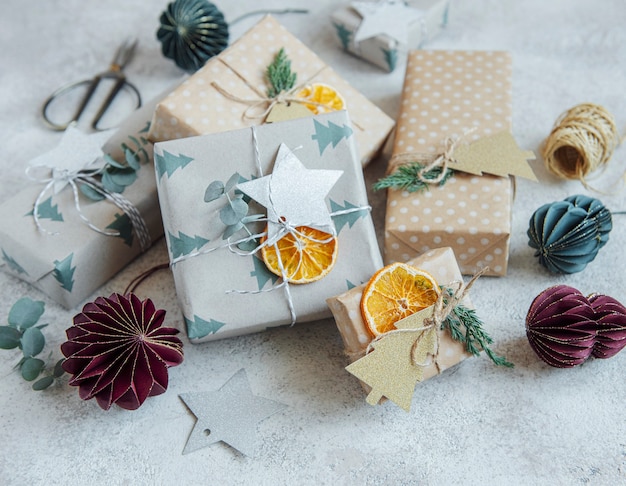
(439, 263)
(97, 209)
(383, 32)
(264, 223)
(448, 178)
(233, 90)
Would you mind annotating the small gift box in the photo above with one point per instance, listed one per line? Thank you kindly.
(264, 223)
(450, 97)
(381, 32)
(92, 219)
(346, 308)
(233, 90)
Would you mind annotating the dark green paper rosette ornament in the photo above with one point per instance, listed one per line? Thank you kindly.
(568, 234)
(192, 32)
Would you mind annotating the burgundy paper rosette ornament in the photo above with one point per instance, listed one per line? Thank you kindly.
(565, 328)
(118, 352)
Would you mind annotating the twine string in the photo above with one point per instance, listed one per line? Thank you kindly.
(582, 141)
(430, 161)
(87, 177)
(254, 104)
(449, 297)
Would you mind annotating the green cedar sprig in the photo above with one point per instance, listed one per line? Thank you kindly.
(23, 333)
(406, 177)
(475, 337)
(279, 75)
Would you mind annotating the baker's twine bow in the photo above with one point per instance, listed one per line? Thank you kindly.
(449, 297)
(431, 161)
(284, 97)
(87, 177)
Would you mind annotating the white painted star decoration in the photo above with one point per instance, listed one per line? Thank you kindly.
(230, 415)
(293, 194)
(390, 17)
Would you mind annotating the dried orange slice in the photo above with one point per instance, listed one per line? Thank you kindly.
(395, 292)
(324, 94)
(307, 256)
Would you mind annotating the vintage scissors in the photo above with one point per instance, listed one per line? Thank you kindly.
(122, 57)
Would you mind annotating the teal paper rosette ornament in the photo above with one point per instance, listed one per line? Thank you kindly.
(568, 234)
(191, 32)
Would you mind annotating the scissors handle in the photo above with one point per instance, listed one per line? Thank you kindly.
(92, 84)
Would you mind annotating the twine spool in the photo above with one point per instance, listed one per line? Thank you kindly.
(582, 141)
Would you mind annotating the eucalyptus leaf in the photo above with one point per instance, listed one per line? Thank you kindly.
(31, 368)
(41, 326)
(32, 342)
(214, 191)
(123, 177)
(109, 184)
(131, 159)
(25, 313)
(248, 245)
(9, 337)
(90, 192)
(234, 212)
(43, 383)
(232, 229)
(112, 162)
(239, 207)
(232, 182)
(58, 368)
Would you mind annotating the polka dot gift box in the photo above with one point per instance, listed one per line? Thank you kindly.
(231, 91)
(453, 94)
(346, 309)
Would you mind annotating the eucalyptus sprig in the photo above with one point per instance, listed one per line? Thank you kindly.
(23, 333)
(408, 177)
(474, 336)
(116, 176)
(280, 75)
(234, 214)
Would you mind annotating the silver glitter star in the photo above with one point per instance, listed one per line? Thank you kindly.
(230, 415)
(391, 18)
(77, 150)
(293, 194)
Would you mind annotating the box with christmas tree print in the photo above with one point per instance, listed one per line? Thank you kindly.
(59, 253)
(264, 223)
(233, 90)
(382, 32)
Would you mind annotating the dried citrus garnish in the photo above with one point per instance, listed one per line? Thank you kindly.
(307, 255)
(329, 98)
(395, 292)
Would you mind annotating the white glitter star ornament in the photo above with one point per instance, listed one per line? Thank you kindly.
(230, 415)
(293, 195)
(76, 151)
(391, 18)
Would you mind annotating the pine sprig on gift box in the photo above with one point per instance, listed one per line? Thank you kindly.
(406, 177)
(280, 75)
(23, 333)
(475, 337)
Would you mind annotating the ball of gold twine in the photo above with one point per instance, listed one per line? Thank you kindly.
(583, 140)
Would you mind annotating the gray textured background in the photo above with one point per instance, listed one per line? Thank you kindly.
(477, 424)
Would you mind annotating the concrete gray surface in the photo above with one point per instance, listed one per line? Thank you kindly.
(474, 425)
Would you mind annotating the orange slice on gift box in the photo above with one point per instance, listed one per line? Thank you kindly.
(327, 97)
(395, 292)
(307, 255)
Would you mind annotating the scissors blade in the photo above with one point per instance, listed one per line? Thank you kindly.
(124, 53)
